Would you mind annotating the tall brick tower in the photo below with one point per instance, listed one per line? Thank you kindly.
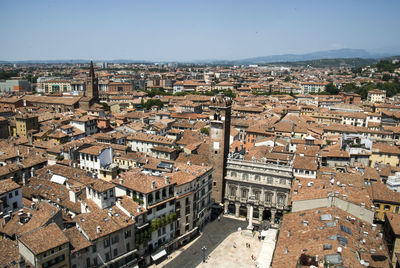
(92, 84)
(220, 121)
(91, 95)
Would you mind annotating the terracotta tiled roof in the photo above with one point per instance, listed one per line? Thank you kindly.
(9, 256)
(380, 192)
(8, 185)
(38, 241)
(317, 232)
(76, 239)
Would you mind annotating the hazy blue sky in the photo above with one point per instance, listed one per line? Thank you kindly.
(187, 30)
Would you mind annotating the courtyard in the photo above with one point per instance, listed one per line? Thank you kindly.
(226, 247)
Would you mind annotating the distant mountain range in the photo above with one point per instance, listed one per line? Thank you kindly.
(345, 53)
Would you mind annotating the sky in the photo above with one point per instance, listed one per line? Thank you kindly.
(172, 30)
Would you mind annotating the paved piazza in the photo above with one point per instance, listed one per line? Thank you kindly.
(225, 255)
(219, 238)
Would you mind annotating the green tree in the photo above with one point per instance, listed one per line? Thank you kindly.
(288, 79)
(331, 89)
(153, 102)
(229, 93)
(105, 106)
(351, 87)
(363, 90)
(387, 66)
(386, 77)
(391, 88)
(205, 131)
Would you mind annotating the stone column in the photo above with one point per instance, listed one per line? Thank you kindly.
(260, 213)
(237, 206)
(273, 212)
(250, 226)
(226, 207)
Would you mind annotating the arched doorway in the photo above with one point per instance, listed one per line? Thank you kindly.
(231, 209)
(278, 216)
(266, 215)
(256, 213)
(243, 211)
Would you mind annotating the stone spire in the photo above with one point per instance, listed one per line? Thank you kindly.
(91, 70)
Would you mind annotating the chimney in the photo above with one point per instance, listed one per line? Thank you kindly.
(32, 172)
(7, 218)
(286, 250)
(188, 163)
(24, 178)
(20, 214)
(166, 180)
(98, 229)
(373, 226)
(121, 181)
(153, 184)
(139, 209)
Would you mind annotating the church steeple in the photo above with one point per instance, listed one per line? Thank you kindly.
(91, 70)
(92, 87)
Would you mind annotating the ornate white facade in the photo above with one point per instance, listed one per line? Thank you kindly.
(266, 184)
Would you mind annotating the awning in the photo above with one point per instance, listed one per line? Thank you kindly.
(58, 179)
(158, 255)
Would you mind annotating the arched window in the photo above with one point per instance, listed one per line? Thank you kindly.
(233, 174)
(257, 195)
(245, 176)
(233, 191)
(257, 177)
(245, 193)
(281, 199)
(268, 197)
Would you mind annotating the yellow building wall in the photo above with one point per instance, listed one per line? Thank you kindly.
(380, 210)
(392, 160)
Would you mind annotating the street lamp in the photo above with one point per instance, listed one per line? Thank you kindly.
(204, 249)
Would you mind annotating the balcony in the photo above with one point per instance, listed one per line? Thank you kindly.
(231, 198)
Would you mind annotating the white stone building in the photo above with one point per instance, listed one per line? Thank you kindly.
(261, 184)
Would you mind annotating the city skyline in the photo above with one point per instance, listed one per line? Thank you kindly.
(180, 31)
